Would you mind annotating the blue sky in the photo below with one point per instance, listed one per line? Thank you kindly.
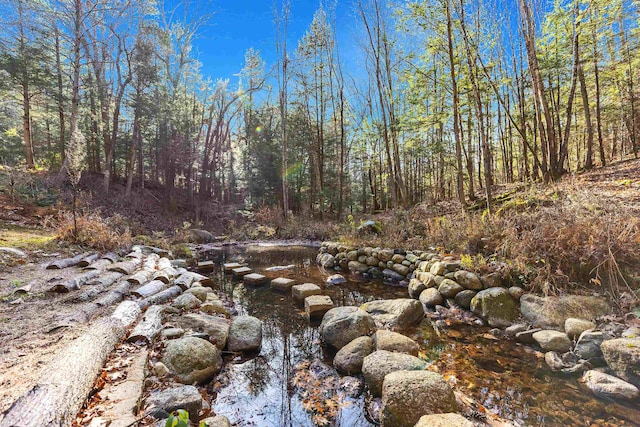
(240, 24)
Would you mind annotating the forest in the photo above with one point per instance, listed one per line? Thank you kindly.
(448, 99)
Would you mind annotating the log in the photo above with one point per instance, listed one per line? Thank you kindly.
(98, 286)
(88, 260)
(59, 264)
(125, 267)
(150, 262)
(111, 256)
(161, 297)
(67, 380)
(134, 255)
(141, 277)
(185, 280)
(107, 279)
(164, 263)
(100, 264)
(150, 325)
(153, 287)
(114, 296)
(74, 283)
(166, 275)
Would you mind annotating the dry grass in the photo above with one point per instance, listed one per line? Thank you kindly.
(95, 232)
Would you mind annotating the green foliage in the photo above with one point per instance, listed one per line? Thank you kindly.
(179, 419)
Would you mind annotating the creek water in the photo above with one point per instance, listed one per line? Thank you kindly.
(291, 382)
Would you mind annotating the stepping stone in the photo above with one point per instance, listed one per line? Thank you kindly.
(206, 266)
(300, 292)
(317, 305)
(282, 284)
(255, 279)
(230, 266)
(241, 271)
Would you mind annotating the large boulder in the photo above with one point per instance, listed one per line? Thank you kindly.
(326, 260)
(609, 387)
(408, 395)
(552, 312)
(415, 288)
(215, 327)
(444, 420)
(202, 236)
(192, 360)
(349, 358)
(393, 341)
(623, 356)
(185, 397)
(496, 306)
(341, 325)
(245, 334)
(380, 363)
(449, 288)
(550, 340)
(396, 313)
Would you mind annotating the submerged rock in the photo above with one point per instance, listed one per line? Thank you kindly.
(192, 360)
(395, 314)
(341, 325)
(408, 395)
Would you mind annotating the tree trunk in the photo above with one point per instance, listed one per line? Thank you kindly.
(587, 118)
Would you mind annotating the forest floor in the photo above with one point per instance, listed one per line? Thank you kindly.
(580, 234)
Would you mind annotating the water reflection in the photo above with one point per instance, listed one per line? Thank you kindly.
(508, 379)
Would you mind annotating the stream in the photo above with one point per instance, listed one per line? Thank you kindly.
(291, 381)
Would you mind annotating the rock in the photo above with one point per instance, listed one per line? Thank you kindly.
(415, 288)
(351, 386)
(341, 325)
(202, 236)
(160, 370)
(526, 337)
(172, 333)
(552, 312)
(300, 292)
(395, 314)
(449, 289)
(574, 327)
(431, 297)
(464, 298)
(491, 280)
(428, 279)
(554, 361)
(230, 266)
(217, 421)
(336, 279)
(516, 292)
(392, 275)
(609, 387)
(192, 360)
(444, 420)
(370, 227)
(13, 251)
(408, 395)
(632, 332)
(254, 279)
(245, 334)
(412, 258)
(438, 268)
(282, 284)
(352, 255)
(380, 363)
(184, 397)
(326, 260)
(241, 271)
(468, 280)
(214, 307)
(317, 305)
(186, 302)
(397, 259)
(372, 261)
(385, 255)
(403, 270)
(199, 292)
(512, 330)
(623, 356)
(349, 358)
(550, 340)
(215, 327)
(588, 345)
(496, 306)
(393, 341)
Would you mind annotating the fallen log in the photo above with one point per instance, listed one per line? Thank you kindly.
(134, 255)
(97, 286)
(107, 279)
(66, 382)
(185, 280)
(166, 275)
(75, 282)
(59, 264)
(150, 288)
(141, 277)
(164, 263)
(100, 264)
(88, 260)
(161, 297)
(111, 256)
(125, 267)
(150, 325)
(114, 296)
